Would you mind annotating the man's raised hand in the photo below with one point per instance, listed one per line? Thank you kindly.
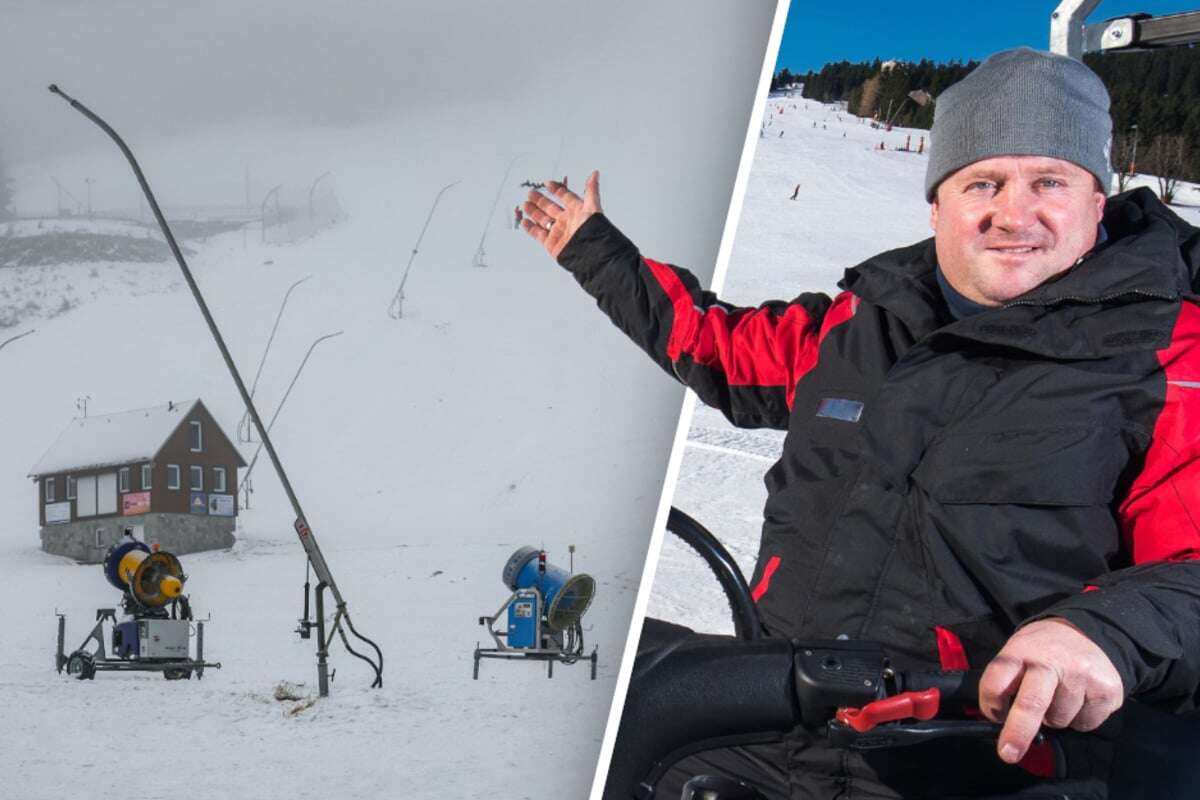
(553, 224)
(1048, 673)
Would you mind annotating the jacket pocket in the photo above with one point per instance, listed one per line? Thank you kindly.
(1060, 466)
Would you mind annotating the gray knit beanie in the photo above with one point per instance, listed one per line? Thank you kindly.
(1022, 102)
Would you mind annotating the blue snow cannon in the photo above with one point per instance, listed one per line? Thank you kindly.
(542, 614)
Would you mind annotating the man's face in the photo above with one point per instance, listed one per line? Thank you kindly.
(1005, 225)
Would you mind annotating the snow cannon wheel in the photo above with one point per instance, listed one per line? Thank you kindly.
(177, 674)
(82, 665)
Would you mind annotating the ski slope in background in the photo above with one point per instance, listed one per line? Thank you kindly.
(854, 201)
(503, 410)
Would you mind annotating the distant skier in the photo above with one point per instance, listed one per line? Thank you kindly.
(795, 191)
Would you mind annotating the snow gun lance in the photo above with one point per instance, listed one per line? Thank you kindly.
(341, 619)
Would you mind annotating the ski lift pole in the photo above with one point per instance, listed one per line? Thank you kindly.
(478, 261)
(262, 363)
(396, 309)
(307, 538)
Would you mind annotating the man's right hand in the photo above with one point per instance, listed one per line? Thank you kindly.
(552, 224)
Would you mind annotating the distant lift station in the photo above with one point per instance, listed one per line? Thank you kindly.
(542, 615)
(155, 636)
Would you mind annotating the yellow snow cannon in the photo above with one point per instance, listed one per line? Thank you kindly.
(153, 577)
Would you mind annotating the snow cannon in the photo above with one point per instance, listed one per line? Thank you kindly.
(153, 577)
(154, 636)
(543, 614)
(566, 597)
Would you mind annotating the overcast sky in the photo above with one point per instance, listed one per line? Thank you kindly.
(282, 90)
(170, 67)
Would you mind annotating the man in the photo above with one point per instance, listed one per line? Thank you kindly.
(993, 450)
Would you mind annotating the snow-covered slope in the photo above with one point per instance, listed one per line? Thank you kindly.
(501, 411)
(854, 201)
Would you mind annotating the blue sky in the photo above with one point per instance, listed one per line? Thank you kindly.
(819, 32)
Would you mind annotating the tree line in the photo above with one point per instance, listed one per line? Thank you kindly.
(1156, 91)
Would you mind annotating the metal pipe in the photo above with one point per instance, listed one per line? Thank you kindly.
(267, 349)
(308, 539)
(311, 190)
(397, 303)
(264, 209)
(279, 408)
(322, 644)
(14, 338)
(480, 254)
(1066, 26)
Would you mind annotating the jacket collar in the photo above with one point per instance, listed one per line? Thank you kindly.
(1142, 260)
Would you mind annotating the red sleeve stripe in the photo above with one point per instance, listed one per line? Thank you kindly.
(751, 346)
(764, 582)
(1160, 517)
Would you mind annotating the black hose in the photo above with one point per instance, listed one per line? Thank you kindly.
(378, 671)
(722, 564)
(378, 684)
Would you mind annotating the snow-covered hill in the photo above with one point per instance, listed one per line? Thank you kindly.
(501, 411)
(854, 201)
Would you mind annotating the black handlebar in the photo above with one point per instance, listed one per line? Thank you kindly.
(737, 591)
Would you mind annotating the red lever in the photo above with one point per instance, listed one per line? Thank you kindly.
(920, 705)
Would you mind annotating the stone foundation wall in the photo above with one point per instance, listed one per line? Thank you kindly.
(175, 533)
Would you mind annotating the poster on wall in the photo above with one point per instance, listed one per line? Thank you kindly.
(199, 503)
(135, 503)
(220, 505)
(58, 513)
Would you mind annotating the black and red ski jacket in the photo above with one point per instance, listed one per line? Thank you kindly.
(943, 482)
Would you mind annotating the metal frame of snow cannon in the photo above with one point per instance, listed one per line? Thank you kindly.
(564, 646)
(1070, 36)
(543, 634)
(83, 663)
(307, 539)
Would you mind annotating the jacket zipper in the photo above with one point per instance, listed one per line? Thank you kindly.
(1101, 299)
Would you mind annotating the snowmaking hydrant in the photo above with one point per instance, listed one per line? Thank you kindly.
(154, 636)
(542, 615)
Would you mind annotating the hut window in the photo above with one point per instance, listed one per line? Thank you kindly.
(197, 478)
(70, 487)
(99, 537)
(218, 479)
(49, 484)
(172, 476)
(196, 440)
(123, 479)
(147, 471)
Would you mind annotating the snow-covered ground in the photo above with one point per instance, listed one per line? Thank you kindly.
(854, 201)
(503, 410)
